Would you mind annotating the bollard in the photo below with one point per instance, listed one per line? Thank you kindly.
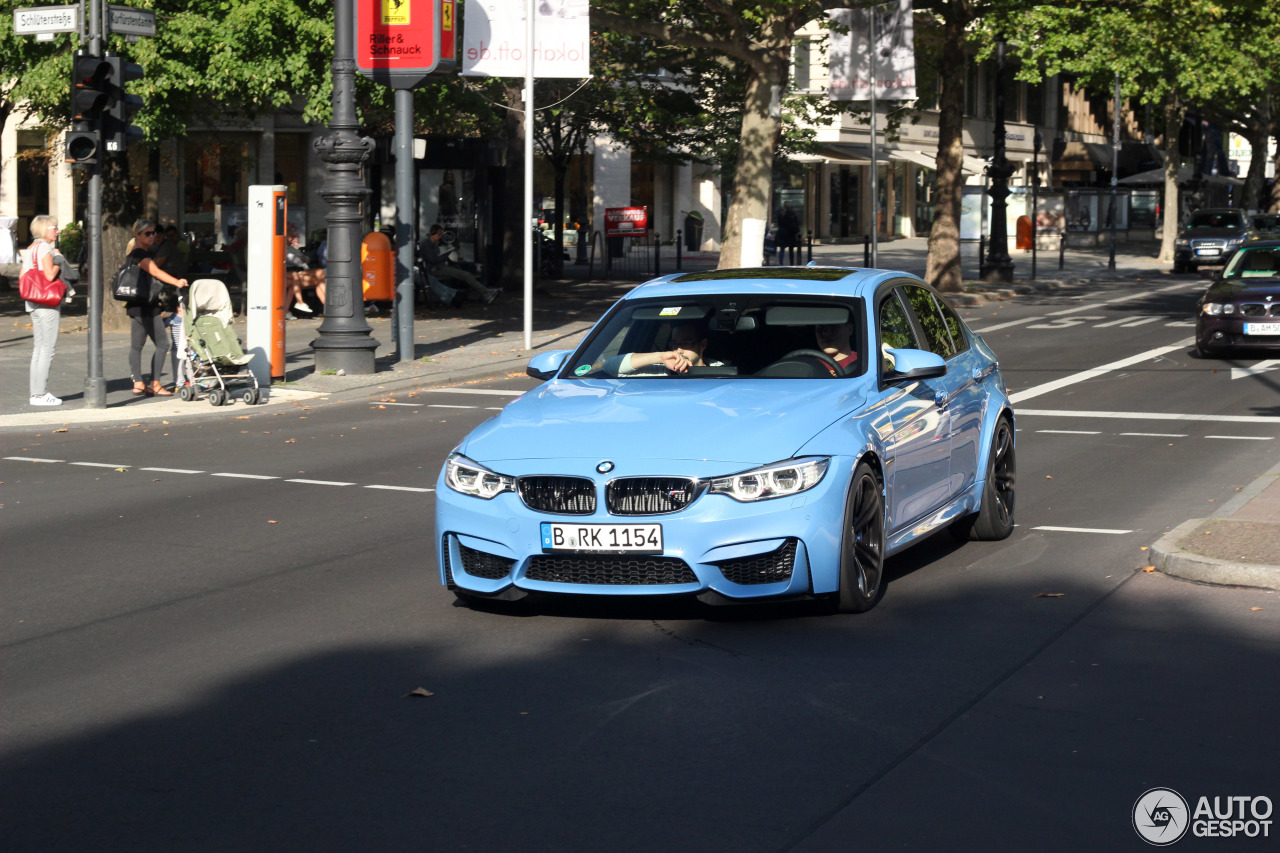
(982, 254)
(1062, 249)
(810, 258)
(657, 253)
(866, 250)
(679, 246)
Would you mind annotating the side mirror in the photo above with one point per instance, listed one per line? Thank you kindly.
(909, 364)
(546, 365)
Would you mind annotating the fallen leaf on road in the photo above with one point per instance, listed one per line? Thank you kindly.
(1144, 548)
(269, 521)
(388, 399)
(64, 429)
(1255, 608)
(1148, 569)
(1050, 594)
(1047, 477)
(242, 417)
(382, 407)
(122, 470)
(291, 441)
(421, 691)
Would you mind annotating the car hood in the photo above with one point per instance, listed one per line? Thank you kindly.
(1248, 289)
(744, 421)
(1212, 233)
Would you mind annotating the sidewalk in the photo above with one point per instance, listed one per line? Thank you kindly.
(1240, 545)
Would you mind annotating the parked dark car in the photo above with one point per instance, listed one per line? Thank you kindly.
(1210, 236)
(1266, 224)
(1241, 309)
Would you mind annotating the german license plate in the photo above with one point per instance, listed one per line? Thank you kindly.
(629, 538)
(1208, 251)
(1262, 328)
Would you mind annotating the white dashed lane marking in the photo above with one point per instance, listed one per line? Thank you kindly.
(1242, 437)
(1072, 431)
(1082, 530)
(219, 474)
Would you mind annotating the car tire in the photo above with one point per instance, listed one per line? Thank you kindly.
(994, 519)
(1206, 352)
(1180, 267)
(862, 544)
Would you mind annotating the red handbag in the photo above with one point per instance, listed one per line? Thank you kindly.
(37, 289)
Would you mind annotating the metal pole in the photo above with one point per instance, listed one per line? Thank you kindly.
(1036, 144)
(1115, 170)
(999, 266)
(405, 209)
(530, 11)
(95, 385)
(875, 165)
(344, 343)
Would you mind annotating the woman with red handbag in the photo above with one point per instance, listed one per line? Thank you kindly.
(44, 319)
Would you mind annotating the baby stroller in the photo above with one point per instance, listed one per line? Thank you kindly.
(209, 355)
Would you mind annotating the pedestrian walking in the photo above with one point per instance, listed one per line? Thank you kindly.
(788, 234)
(147, 314)
(44, 319)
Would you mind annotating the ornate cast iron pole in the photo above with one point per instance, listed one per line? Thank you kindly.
(344, 341)
(998, 266)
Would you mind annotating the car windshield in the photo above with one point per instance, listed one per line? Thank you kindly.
(1216, 219)
(728, 336)
(1256, 262)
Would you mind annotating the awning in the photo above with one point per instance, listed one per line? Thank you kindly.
(847, 152)
(1186, 175)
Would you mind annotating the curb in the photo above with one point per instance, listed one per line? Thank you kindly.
(1170, 557)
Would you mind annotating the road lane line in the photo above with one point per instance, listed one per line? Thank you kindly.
(1095, 372)
(1089, 307)
(246, 476)
(1071, 431)
(172, 470)
(1158, 434)
(1241, 437)
(490, 391)
(1260, 367)
(31, 459)
(320, 482)
(1152, 416)
(447, 406)
(1129, 322)
(390, 403)
(400, 488)
(1083, 530)
(100, 465)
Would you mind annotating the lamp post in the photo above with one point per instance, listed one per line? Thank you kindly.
(344, 343)
(998, 266)
(1037, 142)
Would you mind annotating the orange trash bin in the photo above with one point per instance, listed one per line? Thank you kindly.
(1023, 240)
(377, 268)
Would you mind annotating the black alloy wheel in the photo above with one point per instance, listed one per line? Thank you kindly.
(994, 519)
(862, 545)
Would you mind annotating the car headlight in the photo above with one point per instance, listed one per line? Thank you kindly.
(1216, 308)
(1234, 241)
(1182, 242)
(772, 481)
(471, 478)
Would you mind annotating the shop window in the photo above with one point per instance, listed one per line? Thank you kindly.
(218, 167)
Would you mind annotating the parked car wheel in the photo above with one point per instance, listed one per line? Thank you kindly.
(862, 549)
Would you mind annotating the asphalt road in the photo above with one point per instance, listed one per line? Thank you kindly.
(210, 629)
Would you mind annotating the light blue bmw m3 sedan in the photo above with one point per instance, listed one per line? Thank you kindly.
(736, 435)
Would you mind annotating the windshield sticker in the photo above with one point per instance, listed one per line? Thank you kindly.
(582, 370)
(669, 312)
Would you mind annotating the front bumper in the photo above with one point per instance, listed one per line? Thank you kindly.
(1217, 332)
(777, 548)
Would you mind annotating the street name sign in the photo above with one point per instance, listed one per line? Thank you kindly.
(128, 21)
(38, 20)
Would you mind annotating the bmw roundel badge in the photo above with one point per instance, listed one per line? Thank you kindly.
(604, 467)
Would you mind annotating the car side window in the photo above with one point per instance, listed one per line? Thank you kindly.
(953, 324)
(895, 329)
(931, 322)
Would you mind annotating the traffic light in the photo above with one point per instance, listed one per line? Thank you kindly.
(116, 130)
(90, 86)
(90, 102)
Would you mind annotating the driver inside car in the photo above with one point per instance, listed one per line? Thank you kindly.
(688, 342)
(836, 341)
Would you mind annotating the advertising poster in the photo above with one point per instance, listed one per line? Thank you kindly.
(493, 38)
(849, 56)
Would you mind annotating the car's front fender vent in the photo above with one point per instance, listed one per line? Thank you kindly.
(479, 564)
(610, 570)
(560, 495)
(773, 567)
(649, 495)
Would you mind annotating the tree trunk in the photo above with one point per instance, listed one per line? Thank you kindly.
(1172, 124)
(753, 178)
(515, 222)
(118, 216)
(942, 268)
